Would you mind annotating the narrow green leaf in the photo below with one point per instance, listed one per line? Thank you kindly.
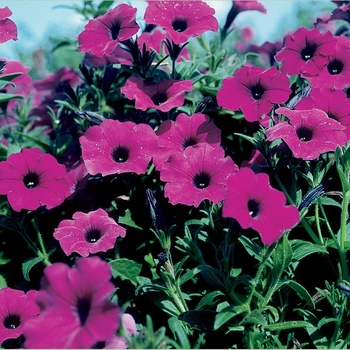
(222, 318)
(255, 317)
(301, 249)
(127, 220)
(126, 269)
(4, 97)
(201, 318)
(302, 292)
(208, 299)
(28, 265)
(288, 325)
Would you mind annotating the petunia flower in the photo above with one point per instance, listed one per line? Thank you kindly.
(334, 102)
(184, 132)
(16, 308)
(267, 50)
(31, 179)
(254, 91)
(115, 147)
(309, 133)
(336, 73)
(163, 95)
(88, 233)
(255, 204)
(196, 174)
(337, 14)
(77, 178)
(181, 20)
(103, 34)
(8, 28)
(306, 51)
(76, 311)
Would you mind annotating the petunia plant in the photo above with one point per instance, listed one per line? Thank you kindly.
(179, 186)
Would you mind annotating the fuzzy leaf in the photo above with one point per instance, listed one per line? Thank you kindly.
(126, 269)
(287, 325)
(301, 249)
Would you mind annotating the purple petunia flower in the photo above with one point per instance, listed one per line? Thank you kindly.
(196, 174)
(8, 28)
(254, 91)
(306, 51)
(309, 133)
(182, 20)
(103, 34)
(16, 308)
(255, 204)
(76, 311)
(115, 147)
(31, 179)
(163, 95)
(185, 131)
(88, 233)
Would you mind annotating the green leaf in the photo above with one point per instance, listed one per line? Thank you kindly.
(4, 97)
(204, 319)
(301, 249)
(282, 257)
(287, 325)
(330, 201)
(222, 318)
(208, 299)
(189, 275)
(255, 317)
(11, 76)
(29, 264)
(301, 291)
(127, 220)
(179, 333)
(3, 282)
(126, 269)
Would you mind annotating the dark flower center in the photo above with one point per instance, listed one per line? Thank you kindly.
(114, 30)
(257, 91)
(304, 133)
(120, 154)
(83, 308)
(335, 67)
(179, 25)
(159, 98)
(201, 180)
(93, 235)
(12, 321)
(31, 180)
(308, 51)
(253, 208)
(189, 142)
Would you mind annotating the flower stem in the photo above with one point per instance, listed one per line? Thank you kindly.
(342, 251)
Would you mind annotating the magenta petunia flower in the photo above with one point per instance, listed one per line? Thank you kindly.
(336, 73)
(8, 28)
(334, 102)
(115, 147)
(309, 133)
(185, 131)
(255, 204)
(76, 311)
(32, 179)
(306, 51)
(337, 14)
(163, 95)
(77, 178)
(103, 34)
(196, 174)
(16, 308)
(88, 233)
(254, 91)
(182, 20)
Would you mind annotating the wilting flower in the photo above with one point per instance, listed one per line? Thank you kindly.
(77, 178)
(88, 233)
(255, 204)
(76, 311)
(118, 55)
(309, 133)
(163, 95)
(334, 102)
(32, 179)
(181, 19)
(254, 91)
(267, 50)
(16, 308)
(103, 34)
(306, 51)
(8, 28)
(196, 174)
(185, 131)
(115, 147)
(336, 73)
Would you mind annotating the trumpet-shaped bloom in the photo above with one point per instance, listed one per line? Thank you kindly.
(336, 73)
(309, 133)
(88, 233)
(254, 91)
(255, 204)
(196, 174)
(163, 95)
(182, 20)
(31, 179)
(115, 147)
(16, 308)
(306, 51)
(76, 311)
(185, 131)
(103, 34)
(8, 28)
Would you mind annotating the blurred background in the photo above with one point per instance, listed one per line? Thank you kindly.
(44, 24)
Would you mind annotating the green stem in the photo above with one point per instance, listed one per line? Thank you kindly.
(342, 251)
(41, 253)
(318, 226)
